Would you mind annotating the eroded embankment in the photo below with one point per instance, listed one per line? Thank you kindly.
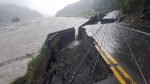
(64, 63)
(68, 61)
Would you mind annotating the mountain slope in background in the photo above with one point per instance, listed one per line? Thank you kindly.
(2, 20)
(8, 11)
(101, 5)
(85, 6)
(78, 7)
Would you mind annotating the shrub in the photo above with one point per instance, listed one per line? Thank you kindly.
(15, 19)
(131, 7)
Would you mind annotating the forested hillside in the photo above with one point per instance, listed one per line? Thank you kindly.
(75, 8)
(135, 11)
(129, 9)
(86, 6)
(101, 5)
(9, 11)
(134, 7)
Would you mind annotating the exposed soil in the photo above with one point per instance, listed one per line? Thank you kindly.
(68, 60)
(63, 65)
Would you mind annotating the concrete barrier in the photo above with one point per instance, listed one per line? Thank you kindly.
(53, 41)
(49, 76)
(66, 36)
(106, 21)
(91, 21)
(94, 20)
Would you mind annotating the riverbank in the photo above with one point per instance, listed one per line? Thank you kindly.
(26, 37)
(87, 14)
(63, 64)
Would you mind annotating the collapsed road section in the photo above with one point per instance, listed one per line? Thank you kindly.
(82, 64)
(61, 65)
(66, 63)
(103, 54)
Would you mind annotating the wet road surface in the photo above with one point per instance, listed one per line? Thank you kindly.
(126, 49)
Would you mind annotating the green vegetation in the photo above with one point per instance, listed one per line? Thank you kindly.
(103, 5)
(86, 14)
(32, 65)
(53, 40)
(29, 55)
(84, 8)
(9, 11)
(131, 7)
(87, 8)
(132, 10)
(15, 19)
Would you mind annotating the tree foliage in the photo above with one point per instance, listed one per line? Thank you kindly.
(133, 7)
(15, 19)
(99, 5)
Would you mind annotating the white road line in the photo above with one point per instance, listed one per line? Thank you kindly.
(132, 29)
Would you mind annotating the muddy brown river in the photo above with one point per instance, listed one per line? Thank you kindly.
(27, 37)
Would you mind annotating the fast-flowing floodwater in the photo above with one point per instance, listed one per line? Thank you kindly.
(27, 37)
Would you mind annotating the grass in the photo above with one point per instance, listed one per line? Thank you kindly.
(32, 65)
(29, 55)
(54, 38)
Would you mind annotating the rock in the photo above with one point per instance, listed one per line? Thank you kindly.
(146, 16)
(66, 75)
(48, 77)
(132, 21)
(62, 65)
(56, 80)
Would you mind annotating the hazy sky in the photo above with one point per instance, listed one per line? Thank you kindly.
(45, 7)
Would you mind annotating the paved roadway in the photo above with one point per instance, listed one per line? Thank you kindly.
(125, 50)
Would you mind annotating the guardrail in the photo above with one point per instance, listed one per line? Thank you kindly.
(93, 20)
(66, 36)
(106, 21)
(54, 41)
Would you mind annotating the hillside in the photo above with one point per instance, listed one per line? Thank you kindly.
(2, 20)
(85, 7)
(101, 5)
(133, 7)
(8, 11)
(135, 11)
(130, 10)
(76, 8)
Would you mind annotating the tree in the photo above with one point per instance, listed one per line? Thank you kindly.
(15, 19)
(131, 7)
